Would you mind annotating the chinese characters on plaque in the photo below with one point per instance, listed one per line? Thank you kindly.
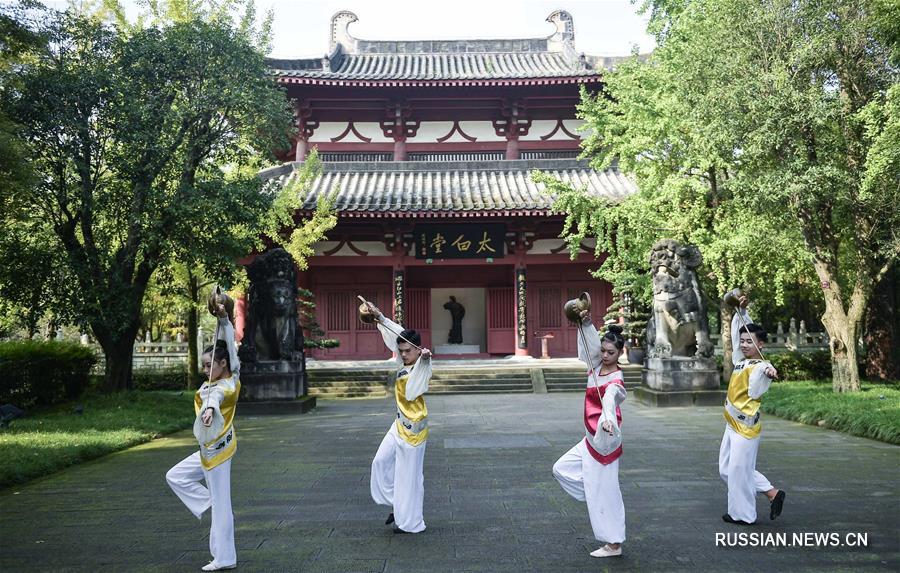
(521, 318)
(460, 241)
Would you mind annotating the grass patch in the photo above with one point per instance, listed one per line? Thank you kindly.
(55, 437)
(873, 412)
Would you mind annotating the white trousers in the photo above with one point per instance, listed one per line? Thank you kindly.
(586, 479)
(184, 479)
(737, 466)
(398, 481)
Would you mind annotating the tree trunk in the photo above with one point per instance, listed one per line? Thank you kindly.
(192, 322)
(843, 330)
(842, 323)
(725, 314)
(118, 351)
(844, 368)
(882, 332)
(52, 328)
(116, 334)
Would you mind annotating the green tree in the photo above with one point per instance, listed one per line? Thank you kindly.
(313, 331)
(764, 133)
(653, 123)
(143, 143)
(204, 261)
(816, 105)
(26, 251)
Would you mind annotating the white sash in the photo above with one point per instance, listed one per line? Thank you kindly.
(206, 434)
(602, 442)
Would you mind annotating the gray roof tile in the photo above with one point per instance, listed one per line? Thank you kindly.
(448, 189)
(436, 67)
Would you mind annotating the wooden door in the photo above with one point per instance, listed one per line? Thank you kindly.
(337, 313)
(418, 313)
(501, 320)
(545, 306)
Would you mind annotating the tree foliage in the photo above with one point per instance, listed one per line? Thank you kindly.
(147, 146)
(764, 133)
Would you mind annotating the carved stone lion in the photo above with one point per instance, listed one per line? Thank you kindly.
(272, 330)
(678, 325)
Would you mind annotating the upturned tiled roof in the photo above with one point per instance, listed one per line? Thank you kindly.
(438, 67)
(434, 189)
(352, 61)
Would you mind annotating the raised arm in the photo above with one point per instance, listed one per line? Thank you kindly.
(226, 333)
(736, 325)
(760, 380)
(589, 344)
(614, 396)
(385, 327)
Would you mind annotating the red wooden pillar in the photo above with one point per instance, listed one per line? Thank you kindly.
(400, 149)
(398, 288)
(398, 126)
(302, 149)
(512, 146)
(513, 125)
(305, 128)
(520, 295)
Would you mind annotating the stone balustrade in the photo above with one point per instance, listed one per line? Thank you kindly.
(149, 354)
(796, 339)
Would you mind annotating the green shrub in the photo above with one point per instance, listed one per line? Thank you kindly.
(802, 365)
(37, 372)
(53, 437)
(321, 343)
(873, 412)
(166, 378)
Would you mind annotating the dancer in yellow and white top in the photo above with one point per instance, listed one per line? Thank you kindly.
(214, 403)
(737, 455)
(397, 478)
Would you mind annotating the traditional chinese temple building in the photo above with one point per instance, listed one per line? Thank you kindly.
(430, 146)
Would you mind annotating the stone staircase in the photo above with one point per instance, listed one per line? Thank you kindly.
(347, 382)
(480, 381)
(575, 379)
(374, 382)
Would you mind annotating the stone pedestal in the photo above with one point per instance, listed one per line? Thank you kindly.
(680, 373)
(274, 386)
(680, 381)
(445, 349)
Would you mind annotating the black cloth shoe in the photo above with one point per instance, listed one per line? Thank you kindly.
(777, 505)
(398, 530)
(728, 519)
(390, 519)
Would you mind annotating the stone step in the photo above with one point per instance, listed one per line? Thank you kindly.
(478, 376)
(492, 384)
(572, 380)
(358, 383)
(342, 382)
(347, 375)
(348, 387)
(565, 387)
(481, 390)
(349, 395)
(484, 381)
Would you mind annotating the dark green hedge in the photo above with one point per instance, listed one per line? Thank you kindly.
(38, 372)
(167, 378)
(802, 365)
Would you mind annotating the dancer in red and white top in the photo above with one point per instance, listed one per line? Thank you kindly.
(590, 470)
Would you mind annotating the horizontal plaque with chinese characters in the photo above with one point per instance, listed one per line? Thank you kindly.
(460, 241)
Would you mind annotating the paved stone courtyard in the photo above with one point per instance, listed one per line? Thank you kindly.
(301, 497)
